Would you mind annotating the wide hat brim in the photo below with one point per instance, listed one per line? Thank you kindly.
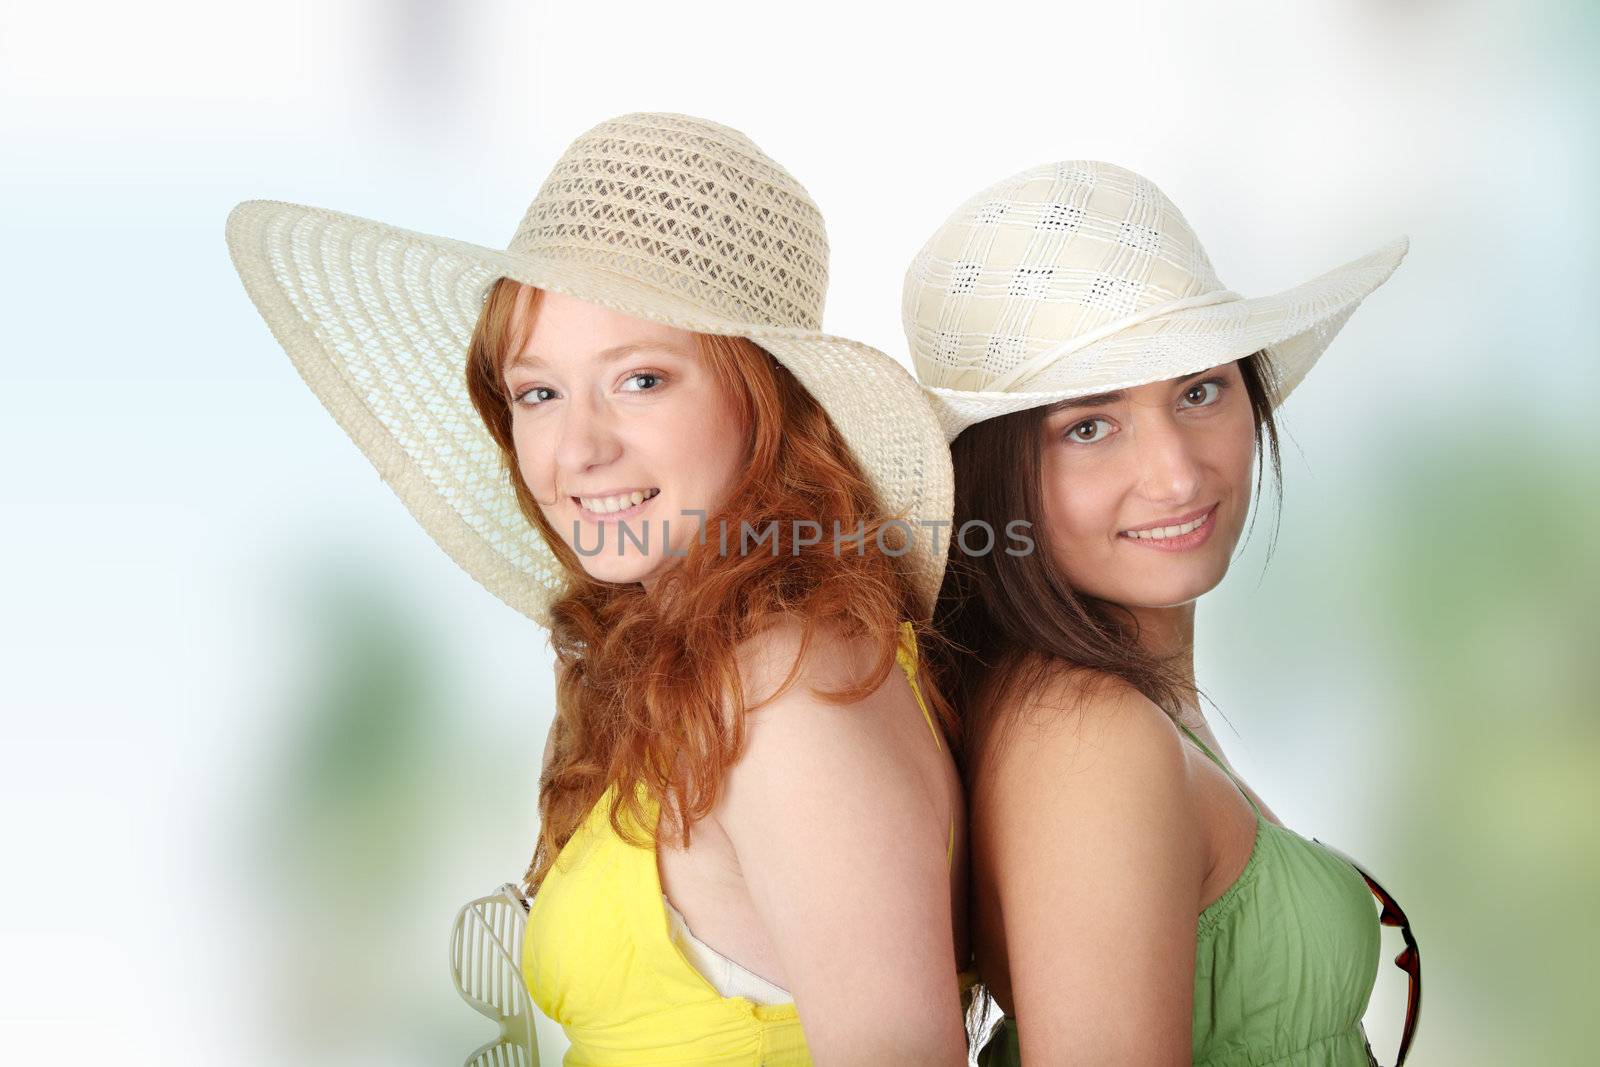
(1294, 327)
(378, 319)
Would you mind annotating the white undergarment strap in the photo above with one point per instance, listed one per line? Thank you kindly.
(727, 976)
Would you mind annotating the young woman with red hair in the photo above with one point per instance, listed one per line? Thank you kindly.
(629, 425)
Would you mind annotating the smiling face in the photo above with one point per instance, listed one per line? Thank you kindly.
(616, 422)
(1146, 490)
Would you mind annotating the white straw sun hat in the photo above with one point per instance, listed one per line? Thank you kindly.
(660, 216)
(1081, 277)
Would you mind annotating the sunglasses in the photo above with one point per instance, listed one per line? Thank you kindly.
(485, 961)
(1409, 959)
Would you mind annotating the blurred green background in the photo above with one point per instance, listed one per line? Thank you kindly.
(262, 737)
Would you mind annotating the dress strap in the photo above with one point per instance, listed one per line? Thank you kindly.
(907, 655)
(1222, 765)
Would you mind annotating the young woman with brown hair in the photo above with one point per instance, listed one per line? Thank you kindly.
(1133, 902)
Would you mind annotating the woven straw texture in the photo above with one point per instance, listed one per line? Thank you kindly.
(1081, 277)
(665, 217)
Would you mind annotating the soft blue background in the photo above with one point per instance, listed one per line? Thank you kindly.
(261, 737)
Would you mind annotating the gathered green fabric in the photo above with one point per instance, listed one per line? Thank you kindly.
(1285, 961)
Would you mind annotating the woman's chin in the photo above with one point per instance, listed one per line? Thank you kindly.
(1173, 592)
(623, 570)
(1160, 584)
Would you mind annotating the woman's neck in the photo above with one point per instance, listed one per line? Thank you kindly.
(1168, 634)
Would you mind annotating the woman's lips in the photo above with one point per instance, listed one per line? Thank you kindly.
(1183, 542)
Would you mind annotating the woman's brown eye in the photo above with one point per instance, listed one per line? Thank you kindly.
(1085, 433)
(1209, 392)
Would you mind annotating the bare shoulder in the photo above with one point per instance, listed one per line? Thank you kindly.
(826, 658)
(1088, 779)
(799, 723)
(1086, 730)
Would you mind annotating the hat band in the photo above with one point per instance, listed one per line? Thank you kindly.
(1028, 368)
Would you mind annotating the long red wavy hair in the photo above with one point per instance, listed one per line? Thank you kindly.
(646, 679)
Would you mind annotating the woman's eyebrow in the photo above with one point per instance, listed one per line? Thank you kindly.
(1092, 401)
(1115, 396)
(530, 360)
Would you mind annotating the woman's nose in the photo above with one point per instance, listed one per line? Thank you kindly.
(586, 437)
(1169, 471)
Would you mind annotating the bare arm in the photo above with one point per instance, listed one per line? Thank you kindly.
(844, 866)
(1098, 859)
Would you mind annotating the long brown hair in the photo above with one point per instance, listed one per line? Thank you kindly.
(646, 678)
(1008, 619)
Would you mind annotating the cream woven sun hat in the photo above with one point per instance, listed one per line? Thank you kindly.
(1081, 277)
(665, 217)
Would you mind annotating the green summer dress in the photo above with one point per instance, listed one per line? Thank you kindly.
(1285, 961)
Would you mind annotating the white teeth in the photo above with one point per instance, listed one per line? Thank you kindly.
(1161, 533)
(605, 505)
